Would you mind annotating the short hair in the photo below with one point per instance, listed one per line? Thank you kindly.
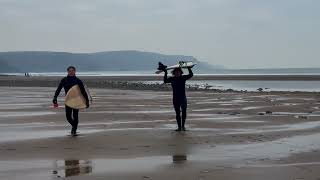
(71, 67)
(176, 69)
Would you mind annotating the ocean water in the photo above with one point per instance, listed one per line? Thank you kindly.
(95, 73)
(249, 85)
(303, 86)
(217, 72)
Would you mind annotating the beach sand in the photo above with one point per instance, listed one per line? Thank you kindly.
(128, 134)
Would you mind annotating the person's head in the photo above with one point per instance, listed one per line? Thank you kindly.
(71, 71)
(177, 72)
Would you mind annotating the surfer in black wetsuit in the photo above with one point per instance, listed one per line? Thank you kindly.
(67, 83)
(178, 82)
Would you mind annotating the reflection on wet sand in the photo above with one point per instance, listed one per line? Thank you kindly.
(179, 159)
(72, 168)
(136, 139)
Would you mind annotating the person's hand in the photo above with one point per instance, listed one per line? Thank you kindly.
(54, 101)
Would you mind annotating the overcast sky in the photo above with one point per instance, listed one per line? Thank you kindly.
(234, 33)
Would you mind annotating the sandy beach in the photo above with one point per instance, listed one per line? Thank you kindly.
(128, 134)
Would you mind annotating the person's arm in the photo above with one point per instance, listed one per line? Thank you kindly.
(190, 75)
(165, 77)
(84, 92)
(56, 94)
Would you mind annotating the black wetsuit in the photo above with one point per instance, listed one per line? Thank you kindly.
(67, 83)
(179, 96)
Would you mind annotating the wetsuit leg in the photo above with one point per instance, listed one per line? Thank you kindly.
(69, 115)
(184, 112)
(176, 106)
(75, 119)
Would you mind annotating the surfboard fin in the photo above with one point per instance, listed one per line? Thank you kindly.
(161, 67)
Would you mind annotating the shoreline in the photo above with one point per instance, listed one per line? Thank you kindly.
(132, 83)
(253, 77)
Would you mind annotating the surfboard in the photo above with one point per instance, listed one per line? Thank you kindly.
(75, 99)
(181, 64)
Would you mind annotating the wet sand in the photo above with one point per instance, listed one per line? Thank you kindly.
(128, 134)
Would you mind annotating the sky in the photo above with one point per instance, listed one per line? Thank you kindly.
(233, 33)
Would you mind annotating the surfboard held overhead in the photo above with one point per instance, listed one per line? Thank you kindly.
(181, 64)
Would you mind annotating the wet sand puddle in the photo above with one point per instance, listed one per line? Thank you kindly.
(45, 130)
(221, 118)
(13, 106)
(133, 96)
(211, 109)
(226, 156)
(216, 102)
(221, 156)
(256, 130)
(227, 120)
(133, 105)
(133, 112)
(24, 99)
(301, 115)
(253, 107)
(37, 130)
(29, 131)
(278, 128)
(25, 113)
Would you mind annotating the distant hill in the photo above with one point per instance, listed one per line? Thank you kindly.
(4, 67)
(42, 61)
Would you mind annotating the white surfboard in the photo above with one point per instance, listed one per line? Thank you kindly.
(75, 99)
(182, 64)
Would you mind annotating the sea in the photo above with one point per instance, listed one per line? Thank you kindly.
(245, 85)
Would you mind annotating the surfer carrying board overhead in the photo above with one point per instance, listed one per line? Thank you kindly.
(178, 82)
(67, 83)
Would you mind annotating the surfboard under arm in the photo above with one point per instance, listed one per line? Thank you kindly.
(75, 99)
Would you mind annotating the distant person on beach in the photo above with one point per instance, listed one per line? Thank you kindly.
(67, 83)
(178, 82)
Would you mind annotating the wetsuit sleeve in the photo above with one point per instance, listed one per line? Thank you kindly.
(83, 91)
(190, 75)
(56, 94)
(165, 78)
